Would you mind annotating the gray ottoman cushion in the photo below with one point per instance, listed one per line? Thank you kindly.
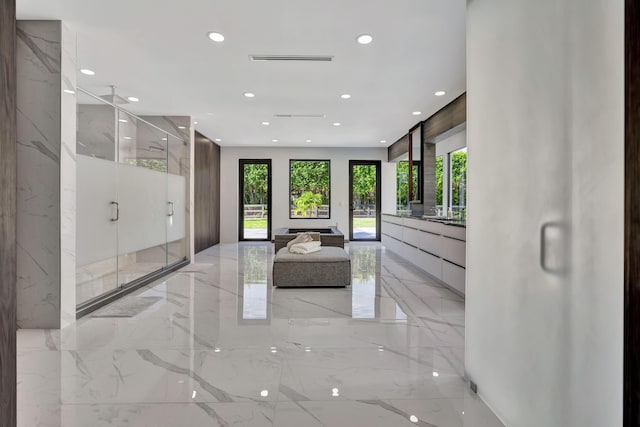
(331, 266)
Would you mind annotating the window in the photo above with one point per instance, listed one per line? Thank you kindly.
(309, 189)
(402, 177)
(458, 182)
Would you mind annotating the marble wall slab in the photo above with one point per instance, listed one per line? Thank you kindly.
(429, 178)
(46, 150)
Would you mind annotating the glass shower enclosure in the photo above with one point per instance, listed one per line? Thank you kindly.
(131, 198)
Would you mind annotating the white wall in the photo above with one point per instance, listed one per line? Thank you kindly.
(454, 141)
(388, 187)
(597, 137)
(546, 141)
(280, 182)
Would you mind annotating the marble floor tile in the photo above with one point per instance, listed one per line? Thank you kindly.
(464, 412)
(150, 415)
(373, 373)
(214, 344)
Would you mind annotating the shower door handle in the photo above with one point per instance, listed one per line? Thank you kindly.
(172, 211)
(117, 211)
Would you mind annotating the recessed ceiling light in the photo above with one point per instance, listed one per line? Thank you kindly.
(68, 91)
(216, 37)
(87, 71)
(133, 99)
(364, 39)
(337, 123)
(126, 137)
(195, 123)
(435, 374)
(274, 140)
(413, 419)
(164, 138)
(384, 141)
(218, 140)
(249, 94)
(417, 113)
(182, 127)
(440, 93)
(307, 140)
(345, 96)
(123, 120)
(266, 123)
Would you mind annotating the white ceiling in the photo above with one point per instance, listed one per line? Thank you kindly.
(158, 50)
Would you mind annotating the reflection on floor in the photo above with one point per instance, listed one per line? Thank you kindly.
(255, 233)
(364, 233)
(215, 344)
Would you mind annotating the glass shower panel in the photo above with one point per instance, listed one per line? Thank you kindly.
(177, 191)
(142, 192)
(97, 196)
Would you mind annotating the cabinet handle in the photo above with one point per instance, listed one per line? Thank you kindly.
(543, 247)
(117, 211)
(172, 211)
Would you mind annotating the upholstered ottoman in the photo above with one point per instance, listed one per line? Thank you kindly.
(331, 266)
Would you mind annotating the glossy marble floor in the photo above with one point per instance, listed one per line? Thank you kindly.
(215, 345)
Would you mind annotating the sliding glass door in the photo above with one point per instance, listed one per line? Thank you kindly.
(364, 196)
(131, 198)
(254, 221)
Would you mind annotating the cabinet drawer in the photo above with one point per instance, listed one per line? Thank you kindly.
(409, 253)
(459, 233)
(430, 243)
(454, 251)
(453, 276)
(414, 223)
(392, 230)
(429, 263)
(392, 219)
(411, 236)
(391, 244)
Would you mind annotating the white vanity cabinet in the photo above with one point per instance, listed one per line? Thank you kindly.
(437, 248)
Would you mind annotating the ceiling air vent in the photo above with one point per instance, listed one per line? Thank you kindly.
(298, 116)
(313, 58)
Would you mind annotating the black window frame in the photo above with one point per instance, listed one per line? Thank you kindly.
(328, 161)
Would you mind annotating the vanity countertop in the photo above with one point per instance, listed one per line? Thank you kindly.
(445, 221)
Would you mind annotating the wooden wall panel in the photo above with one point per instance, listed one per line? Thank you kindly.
(445, 119)
(7, 213)
(632, 216)
(398, 148)
(207, 193)
(450, 116)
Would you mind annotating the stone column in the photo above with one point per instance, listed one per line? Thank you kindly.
(46, 174)
(429, 177)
